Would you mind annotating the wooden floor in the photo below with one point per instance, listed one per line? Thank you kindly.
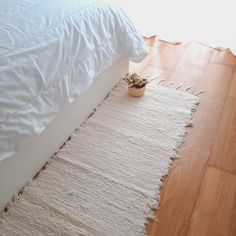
(198, 197)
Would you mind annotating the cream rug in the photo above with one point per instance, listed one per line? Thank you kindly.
(106, 179)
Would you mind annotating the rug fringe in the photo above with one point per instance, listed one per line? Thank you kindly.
(187, 89)
(151, 216)
(198, 93)
(179, 87)
(172, 83)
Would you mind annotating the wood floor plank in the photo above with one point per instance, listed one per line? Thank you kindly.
(183, 183)
(186, 191)
(195, 152)
(212, 214)
(167, 56)
(223, 153)
(159, 51)
(215, 81)
(232, 91)
(180, 191)
(190, 67)
(202, 226)
(154, 72)
(152, 41)
(224, 58)
(232, 226)
(177, 227)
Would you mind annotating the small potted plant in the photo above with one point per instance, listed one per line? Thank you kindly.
(136, 84)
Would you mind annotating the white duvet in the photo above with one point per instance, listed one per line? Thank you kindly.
(50, 52)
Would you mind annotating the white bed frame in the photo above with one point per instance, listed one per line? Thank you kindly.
(17, 170)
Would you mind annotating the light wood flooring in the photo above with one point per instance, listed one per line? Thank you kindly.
(198, 197)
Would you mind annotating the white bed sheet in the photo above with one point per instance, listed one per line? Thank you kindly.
(50, 52)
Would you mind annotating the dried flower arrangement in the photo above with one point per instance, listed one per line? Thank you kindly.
(136, 84)
(135, 81)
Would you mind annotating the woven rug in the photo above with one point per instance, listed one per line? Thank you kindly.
(106, 179)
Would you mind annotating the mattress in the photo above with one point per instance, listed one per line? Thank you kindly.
(50, 53)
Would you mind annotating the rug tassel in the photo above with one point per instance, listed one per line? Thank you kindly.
(189, 124)
(161, 81)
(169, 84)
(199, 92)
(176, 156)
(152, 218)
(157, 220)
(188, 89)
(155, 78)
(179, 86)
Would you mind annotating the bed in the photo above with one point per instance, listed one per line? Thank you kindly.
(58, 61)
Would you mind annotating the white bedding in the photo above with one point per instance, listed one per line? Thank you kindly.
(50, 52)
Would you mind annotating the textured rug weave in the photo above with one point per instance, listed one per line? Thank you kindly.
(106, 178)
